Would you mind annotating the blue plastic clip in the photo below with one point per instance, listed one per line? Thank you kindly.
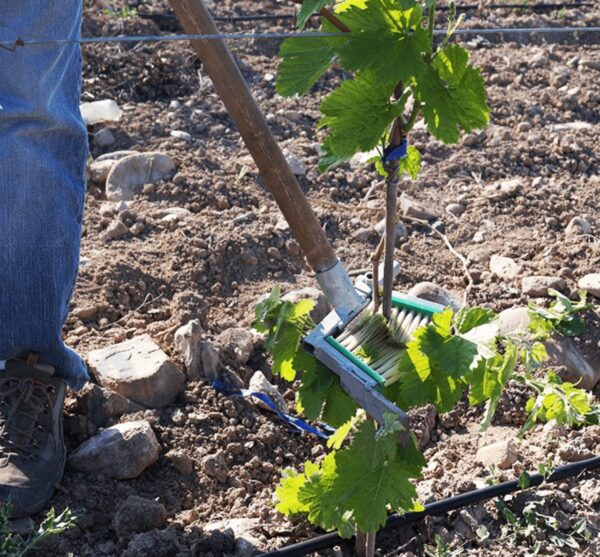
(395, 153)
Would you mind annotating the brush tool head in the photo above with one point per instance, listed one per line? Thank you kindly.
(365, 351)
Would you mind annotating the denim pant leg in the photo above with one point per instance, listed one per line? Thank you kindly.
(43, 149)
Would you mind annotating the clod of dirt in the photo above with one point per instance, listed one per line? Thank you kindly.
(180, 461)
(502, 455)
(122, 451)
(156, 543)
(136, 515)
(138, 369)
(128, 175)
(236, 345)
(215, 466)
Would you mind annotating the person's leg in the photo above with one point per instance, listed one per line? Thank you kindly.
(43, 148)
(42, 162)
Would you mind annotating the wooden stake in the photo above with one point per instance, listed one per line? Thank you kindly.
(237, 98)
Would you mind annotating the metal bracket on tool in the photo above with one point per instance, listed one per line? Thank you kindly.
(358, 384)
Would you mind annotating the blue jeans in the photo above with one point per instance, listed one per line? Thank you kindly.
(43, 150)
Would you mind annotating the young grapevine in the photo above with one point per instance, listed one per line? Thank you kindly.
(394, 75)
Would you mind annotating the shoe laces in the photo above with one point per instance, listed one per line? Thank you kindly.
(23, 400)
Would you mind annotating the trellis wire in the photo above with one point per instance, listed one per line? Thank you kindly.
(13, 45)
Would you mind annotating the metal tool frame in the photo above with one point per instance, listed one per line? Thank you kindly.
(360, 384)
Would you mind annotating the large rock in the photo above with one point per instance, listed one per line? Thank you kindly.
(591, 284)
(502, 455)
(128, 175)
(138, 369)
(122, 451)
(136, 515)
(434, 293)
(201, 358)
(156, 543)
(100, 404)
(322, 307)
(504, 267)
(538, 285)
(260, 384)
(513, 321)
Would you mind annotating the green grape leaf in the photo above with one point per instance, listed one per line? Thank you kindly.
(328, 159)
(469, 318)
(320, 394)
(489, 379)
(340, 434)
(453, 94)
(308, 8)
(319, 495)
(386, 38)
(357, 114)
(375, 472)
(562, 401)
(303, 62)
(339, 407)
(285, 323)
(435, 364)
(411, 164)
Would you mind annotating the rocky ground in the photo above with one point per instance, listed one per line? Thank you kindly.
(168, 466)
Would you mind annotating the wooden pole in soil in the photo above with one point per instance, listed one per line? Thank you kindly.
(237, 98)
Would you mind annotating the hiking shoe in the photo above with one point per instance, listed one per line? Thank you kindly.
(32, 450)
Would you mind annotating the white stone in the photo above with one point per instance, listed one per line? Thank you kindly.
(513, 321)
(578, 226)
(100, 404)
(122, 451)
(295, 162)
(138, 369)
(401, 231)
(434, 293)
(128, 176)
(411, 208)
(502, 455)
(591, 284)
(100, 111)
(180, 134)
(538, 285)
(573, 126)
(259, 383)
(199, 355)
(504, 267)
(563, 353)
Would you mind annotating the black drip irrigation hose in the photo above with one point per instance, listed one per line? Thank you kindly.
(440, 507)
